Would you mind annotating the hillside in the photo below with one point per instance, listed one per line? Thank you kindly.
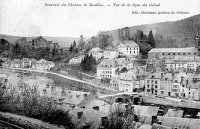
(181, 32)
(63, 41)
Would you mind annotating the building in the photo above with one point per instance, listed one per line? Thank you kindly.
(33, 63)
(107, 68)
(170, 52)
(191, 90)
(26, 63)
(129, 48)
(165, 84)
(97, 53)
(127, 82)
(110, 54)
(43, 65)
(40, 42)
(152, 84)
(76, 60)
(16, 63)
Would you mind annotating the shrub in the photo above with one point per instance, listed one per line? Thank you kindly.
(28, 102)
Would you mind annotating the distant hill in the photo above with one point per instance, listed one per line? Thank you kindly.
(63, 41)
(181, 32)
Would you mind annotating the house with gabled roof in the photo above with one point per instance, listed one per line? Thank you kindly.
(107, 68)
(129, 48)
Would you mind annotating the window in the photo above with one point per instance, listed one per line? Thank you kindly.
(156, 86)
(156, 81)
(175, 86)
(168, 53)
(162, 53)
(194, 53)
(183, 53)
(188, 53)
(178, 53)
(173, 53)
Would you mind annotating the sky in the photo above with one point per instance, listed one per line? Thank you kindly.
(33, 18)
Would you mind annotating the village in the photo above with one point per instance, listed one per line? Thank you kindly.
(162, 90)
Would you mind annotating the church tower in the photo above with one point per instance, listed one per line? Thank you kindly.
(198, 40)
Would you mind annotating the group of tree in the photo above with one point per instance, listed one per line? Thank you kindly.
(81, 43)
(102, 40)
(145, 42)
(124, 34)
(4, 45)
(88, 62)
(29, 103)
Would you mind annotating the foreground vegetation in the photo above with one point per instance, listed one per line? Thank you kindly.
(28, 102)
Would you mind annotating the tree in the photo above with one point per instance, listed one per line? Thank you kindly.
(81, 43)
(74, 45)
(151, 40)
(104, 40)
(4, 45)
(76, 50)
(87, 62)
(1, 61)
(54, 52)
(71, 48)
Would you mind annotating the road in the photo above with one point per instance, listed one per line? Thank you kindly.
(67, 77)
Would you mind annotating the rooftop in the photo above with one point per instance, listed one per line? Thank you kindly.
(129, 44)
(108, 63)
(187, 49)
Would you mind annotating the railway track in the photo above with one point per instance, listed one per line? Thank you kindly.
(7, 125)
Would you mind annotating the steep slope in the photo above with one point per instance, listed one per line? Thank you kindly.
(182, 31)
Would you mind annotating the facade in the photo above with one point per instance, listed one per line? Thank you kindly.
(127, 82)
(110, 54)
(97, 53)
(152, 84)
(76, 60)
(165, 84)
(33, 63)
(129, 48)
(107, 68)
(170, 52)
(16, 63)
(26, 63)
(43, 65)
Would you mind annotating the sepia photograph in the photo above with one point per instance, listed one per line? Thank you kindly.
(99, 64)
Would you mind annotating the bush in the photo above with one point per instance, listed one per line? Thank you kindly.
(28, 102)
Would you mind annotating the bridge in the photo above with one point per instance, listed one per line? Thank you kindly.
(123, 97)
(85, 83)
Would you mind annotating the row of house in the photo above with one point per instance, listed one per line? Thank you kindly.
(125, 75)
(41, 65)
(184, 85)
(128, 48)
